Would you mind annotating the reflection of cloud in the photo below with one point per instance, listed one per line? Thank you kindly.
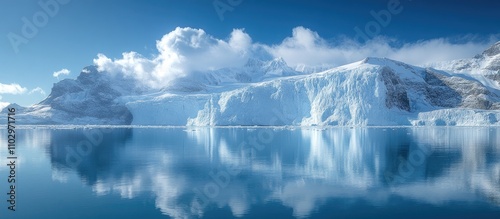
(239, 207)
(313, 167)
(59, 176)
(301, 198)
(127, 187)
(436, 193)
(168, 189)
(100, 188)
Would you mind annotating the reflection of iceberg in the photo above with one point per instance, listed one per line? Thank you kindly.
(188, 170)
(477, 170)
(29, 138)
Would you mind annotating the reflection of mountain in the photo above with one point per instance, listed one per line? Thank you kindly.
(193, 171)
(90, 152)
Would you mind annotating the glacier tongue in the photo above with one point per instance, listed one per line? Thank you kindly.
(352, 97)
(373, 92)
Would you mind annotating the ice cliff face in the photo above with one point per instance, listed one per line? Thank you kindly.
(371, 92)
(374, 91)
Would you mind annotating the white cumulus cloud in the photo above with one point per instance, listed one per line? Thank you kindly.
(61, 72)
(12, 89)
(182, 52)
(38, 90)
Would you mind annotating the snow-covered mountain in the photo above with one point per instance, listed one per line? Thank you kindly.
(371, 92)
(484, 67)
(487, 63)
(254, 70)
(90, 99)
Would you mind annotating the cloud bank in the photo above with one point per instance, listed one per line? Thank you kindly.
(185, 52)
(308, 48)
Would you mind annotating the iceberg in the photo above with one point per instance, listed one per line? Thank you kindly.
(370, 92)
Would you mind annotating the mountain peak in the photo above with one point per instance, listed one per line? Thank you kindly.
(279, 60)
(253, 62)
(19, 109)
(278, 63)
(269, 66)
(493, 50)
(380, 61)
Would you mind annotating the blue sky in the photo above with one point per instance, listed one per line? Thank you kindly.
(81, 29)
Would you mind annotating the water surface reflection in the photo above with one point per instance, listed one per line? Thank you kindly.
(310, 172)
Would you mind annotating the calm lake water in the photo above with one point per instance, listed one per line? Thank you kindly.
(254, 173)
